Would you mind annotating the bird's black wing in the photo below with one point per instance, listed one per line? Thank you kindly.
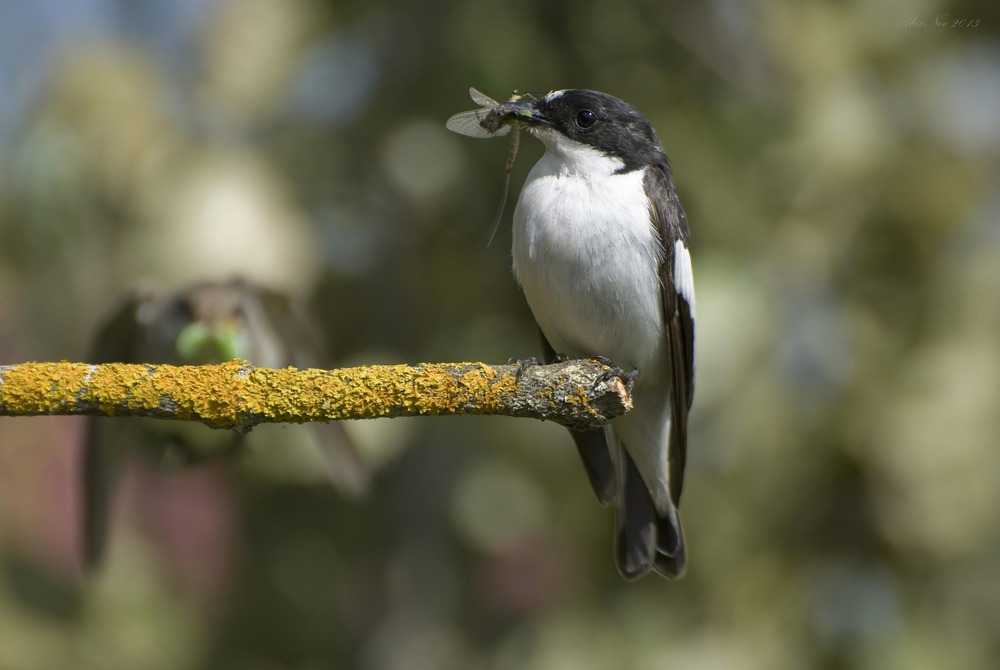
(592, 445)
(677, 288)
(306, 348)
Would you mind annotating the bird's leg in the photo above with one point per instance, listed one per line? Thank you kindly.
(522, 365)
(615, 372)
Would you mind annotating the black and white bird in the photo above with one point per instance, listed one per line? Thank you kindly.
(600, 248)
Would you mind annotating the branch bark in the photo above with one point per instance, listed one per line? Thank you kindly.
(579, 394)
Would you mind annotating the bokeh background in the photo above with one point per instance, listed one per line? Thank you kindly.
(839, 166)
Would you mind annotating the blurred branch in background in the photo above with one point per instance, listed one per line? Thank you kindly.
(236, 395)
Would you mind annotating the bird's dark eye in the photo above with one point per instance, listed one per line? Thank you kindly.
(586, 118)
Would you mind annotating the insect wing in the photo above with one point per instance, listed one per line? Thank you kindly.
(469, 124)
(481, 98)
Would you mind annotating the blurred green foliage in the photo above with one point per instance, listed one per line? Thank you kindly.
(839, 165)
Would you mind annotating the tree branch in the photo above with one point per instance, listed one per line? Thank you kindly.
(579, 394)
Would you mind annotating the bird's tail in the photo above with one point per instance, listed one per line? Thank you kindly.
(99, 472)
(646, 539)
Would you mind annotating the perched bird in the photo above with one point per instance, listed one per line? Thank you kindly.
(600, 248)
(210, 322)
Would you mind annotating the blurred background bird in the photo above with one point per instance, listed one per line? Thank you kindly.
(206, 323)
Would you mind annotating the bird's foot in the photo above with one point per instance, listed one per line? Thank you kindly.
(522, 365)
(615, 373)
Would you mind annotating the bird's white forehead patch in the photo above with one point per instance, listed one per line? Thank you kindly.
(552, 95)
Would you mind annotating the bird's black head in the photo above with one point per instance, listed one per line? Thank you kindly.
(595, 119)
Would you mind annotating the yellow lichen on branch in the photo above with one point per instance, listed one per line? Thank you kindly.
(235, 395)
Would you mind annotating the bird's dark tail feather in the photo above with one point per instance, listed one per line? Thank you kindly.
(645, 540)
(98, 474)
(593, 448)
(592, 445)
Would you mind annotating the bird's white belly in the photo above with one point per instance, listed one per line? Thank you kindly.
(587, 258)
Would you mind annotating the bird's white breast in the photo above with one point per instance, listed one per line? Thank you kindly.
(587, 257)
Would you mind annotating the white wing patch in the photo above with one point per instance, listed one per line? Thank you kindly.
(683, 274)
